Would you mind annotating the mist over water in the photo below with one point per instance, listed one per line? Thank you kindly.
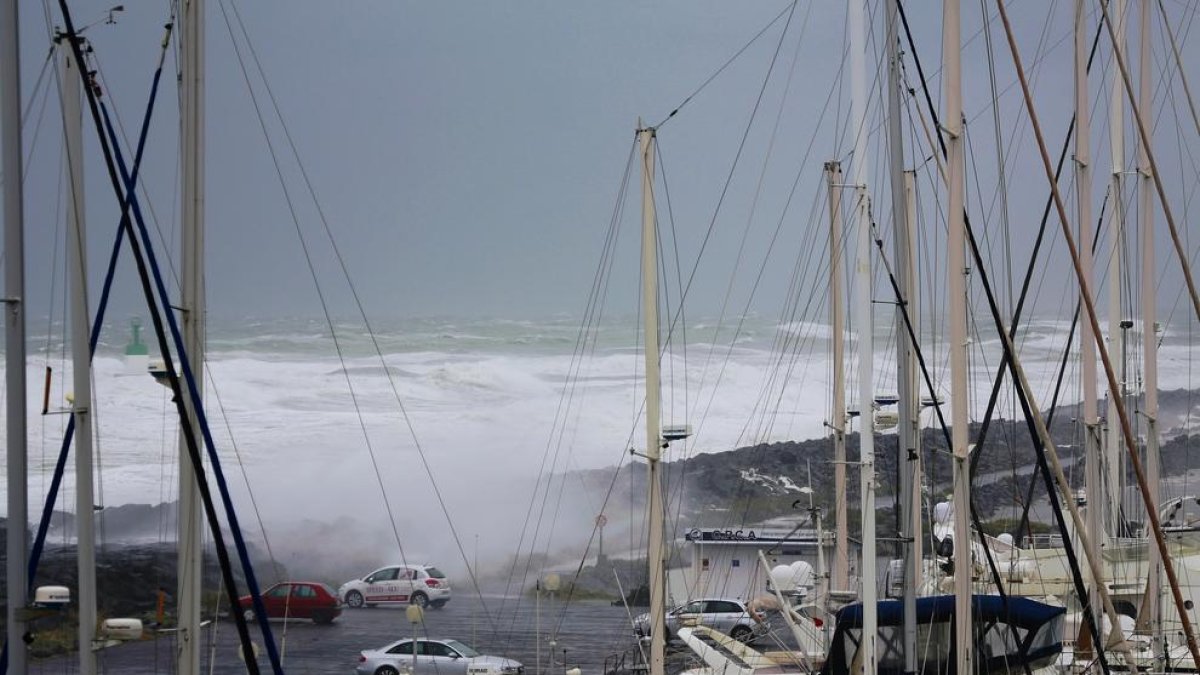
(490, 406)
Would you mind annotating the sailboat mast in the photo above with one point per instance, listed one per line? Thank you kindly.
(957, 300)
(866, 352)
(1087, 344)
(1116, 131)
(1149, 338)
(841, 550)
(193, 315)
(85, 528)
(17, 546)
(906, 383)
(657, 571)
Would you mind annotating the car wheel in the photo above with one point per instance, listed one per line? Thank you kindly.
(387, 670)
(741, 634)
(323, 617)
(248, 615)
(354, 599)
(420, 600)
(438, 604)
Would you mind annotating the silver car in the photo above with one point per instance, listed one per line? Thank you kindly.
(731, 617)
(434, 657)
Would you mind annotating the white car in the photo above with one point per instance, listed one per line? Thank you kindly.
(421, 585)
(434, 657)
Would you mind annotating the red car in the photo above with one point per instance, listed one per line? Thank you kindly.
(296, 600)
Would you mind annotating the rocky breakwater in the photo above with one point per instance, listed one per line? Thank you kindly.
(135, 558)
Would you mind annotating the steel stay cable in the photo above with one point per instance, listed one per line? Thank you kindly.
(1179, 62)
(320, 295)
(589, 325)
(1147, 147)
(188, 431)
(39, 540)
(110, 152)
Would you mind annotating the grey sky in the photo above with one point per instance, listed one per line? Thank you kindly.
(468, 155)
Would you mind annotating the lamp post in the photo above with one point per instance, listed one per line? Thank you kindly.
(550, 583)
(415, 615)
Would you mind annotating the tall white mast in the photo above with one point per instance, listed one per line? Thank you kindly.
(657, 578)
(1116, 132)
(841, 550)
(908, 400)
(17, 546)
(866, 351)
(916, 549)
(1149, 339)
(85, 528)
(192, 282)
(1087, 344)
(957, 300)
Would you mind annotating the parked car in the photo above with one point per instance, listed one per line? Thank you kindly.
(422, 585)
(731, 617)
(296, 600)
(434, 657)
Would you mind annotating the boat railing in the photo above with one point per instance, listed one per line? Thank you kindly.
(631, 660)
(1042, 541)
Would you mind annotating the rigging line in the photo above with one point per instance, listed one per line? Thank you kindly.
(1013, 365)
(109, 152)
(1146, 146)
(733, 168)
(999, 140)
(1062, 369)
(799, 338)
(902, 304)
(562, 431)
(789, 343)
(242, 466)
(1130, 444)
(786, 10)
(998, 380)
(589, 325)
(829, 98)
(33, 97)
(60, 466)
(353, 290)
(320, 292)
(162, 238)
(1179, 62)
(746, 232)
(110, 148)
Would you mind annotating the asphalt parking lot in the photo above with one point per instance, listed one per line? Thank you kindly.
(587, 631)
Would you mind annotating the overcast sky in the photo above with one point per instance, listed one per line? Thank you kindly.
(468, 156)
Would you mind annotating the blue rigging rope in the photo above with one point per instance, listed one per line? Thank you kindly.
(260, 609)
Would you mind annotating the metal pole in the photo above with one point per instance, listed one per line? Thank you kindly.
(192, 297)
(865, 326)
(1149, 339)
(957, 300)
(914, 520)
(657, 580)
(1114, 463)
(906, 382)
(841, 550)
(85, 528)
(1087, 341)
(17, 547)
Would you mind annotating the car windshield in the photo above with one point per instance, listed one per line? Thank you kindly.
(463, 649)
(328, 589)
(435, 573)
